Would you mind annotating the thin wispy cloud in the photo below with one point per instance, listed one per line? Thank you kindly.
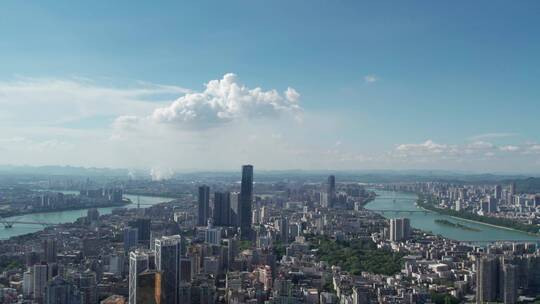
(52, 101)
(371, 78)
(487, 136)
(510, 148)
(472, 154)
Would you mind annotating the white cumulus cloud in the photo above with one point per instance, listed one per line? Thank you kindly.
(225, 100)
(427, 146)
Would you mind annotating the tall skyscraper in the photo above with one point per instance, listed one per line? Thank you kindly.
(233, 245)
(510, 278)
(331, 191)
(168, 261)
(246, 198)
(131, 238)
(400, 229)
(513, 188)
(204, 205)
(395, 231)
(138, 262)
(486, 279)
(28, 282)
(235, 209)
(144, 226)
(59, 291)
(406, 224)
(497, 192)
(49, 250)
(222, 208)
(40, 281)
(283, 226)
(328, 198)
(492, 204)
(497, 280)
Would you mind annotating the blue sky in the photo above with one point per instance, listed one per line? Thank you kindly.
(415, 85)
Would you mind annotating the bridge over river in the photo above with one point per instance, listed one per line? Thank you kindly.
(9, 222)
(400, 204)
(29, 223)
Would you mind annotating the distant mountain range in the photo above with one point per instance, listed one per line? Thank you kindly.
(524, 183)
(528, 185)
(61, 170)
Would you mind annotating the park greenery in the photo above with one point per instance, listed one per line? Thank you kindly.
(10, 263)
(279, 249)
(244, 245)
(357, 255)
(443, 298)
(430, 203)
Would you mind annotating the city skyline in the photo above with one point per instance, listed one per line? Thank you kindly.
(325, 239)
(331, 86)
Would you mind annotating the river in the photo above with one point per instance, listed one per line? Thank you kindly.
(426, 221)
(68, 216)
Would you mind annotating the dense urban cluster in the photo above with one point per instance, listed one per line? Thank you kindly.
(493, 204)
(272, 242)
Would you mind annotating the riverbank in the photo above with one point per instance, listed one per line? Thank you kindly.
(117, 205)
(170, 195)
(472, 218)
(372, 196)
(69, 216)
(425, 221)
(491, 225)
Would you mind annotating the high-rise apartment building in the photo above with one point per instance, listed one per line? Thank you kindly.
(131, 238)
(283, 227)
(235, 209)
(222, 209)
(49, 250)
(512, 188)
(204, 205)
(497, 192)
(400, 229)
(510, 278)
(486, 279)
(40, 281)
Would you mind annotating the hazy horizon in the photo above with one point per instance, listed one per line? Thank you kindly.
(167, 173)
